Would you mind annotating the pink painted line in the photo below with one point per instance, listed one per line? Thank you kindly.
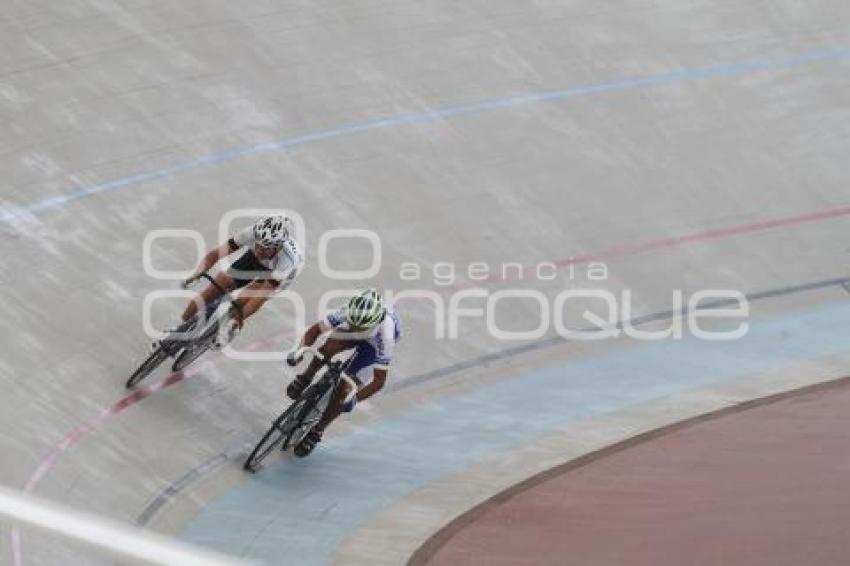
(720, 233)
(623, 250)
(91, 425)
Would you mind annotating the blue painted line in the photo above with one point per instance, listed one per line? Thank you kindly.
(714, 71)
(304, 509)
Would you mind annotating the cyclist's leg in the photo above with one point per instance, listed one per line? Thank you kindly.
(345, 389)
(329, 349)
(208, 295)
(343, 401)
(254, 296)
(344, 397)
(256, 279)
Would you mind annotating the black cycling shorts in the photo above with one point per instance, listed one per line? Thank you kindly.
(248, 269)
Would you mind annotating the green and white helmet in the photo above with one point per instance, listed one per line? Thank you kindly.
(366, 309)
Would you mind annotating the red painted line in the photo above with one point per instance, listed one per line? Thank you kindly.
(90, 426)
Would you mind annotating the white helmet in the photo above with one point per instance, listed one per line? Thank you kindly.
(272, 231)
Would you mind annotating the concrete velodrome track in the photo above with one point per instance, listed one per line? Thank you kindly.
(688, 145)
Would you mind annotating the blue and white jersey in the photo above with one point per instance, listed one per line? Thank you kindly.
(382, 337)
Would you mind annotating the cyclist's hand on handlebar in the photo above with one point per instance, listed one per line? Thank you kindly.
(189, 281)
(294, 357)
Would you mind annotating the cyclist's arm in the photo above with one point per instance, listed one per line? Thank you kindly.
(212, 257)
(284, 277)
(318, 328)
(311, 335)
(378, 380)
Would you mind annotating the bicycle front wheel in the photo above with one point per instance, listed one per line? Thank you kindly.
(267, 444)
(280, 431)
(303, 420)
(147, 366)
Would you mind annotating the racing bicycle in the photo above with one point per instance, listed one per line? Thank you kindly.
(301, 415)
(191, 339)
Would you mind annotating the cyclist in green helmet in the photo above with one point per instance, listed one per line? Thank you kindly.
(368, 326)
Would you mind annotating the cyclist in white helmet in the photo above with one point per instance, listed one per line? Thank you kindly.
(372, 329)
(270, 262)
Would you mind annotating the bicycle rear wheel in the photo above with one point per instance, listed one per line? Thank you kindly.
(145, 369)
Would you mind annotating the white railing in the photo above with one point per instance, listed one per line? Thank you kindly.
(106, 534)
